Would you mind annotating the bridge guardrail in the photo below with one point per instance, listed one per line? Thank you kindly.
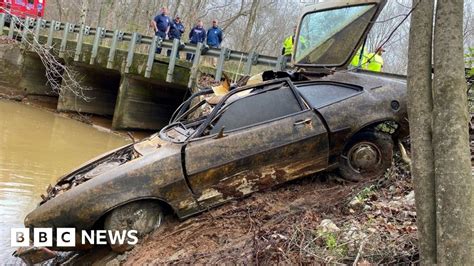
(34, 26)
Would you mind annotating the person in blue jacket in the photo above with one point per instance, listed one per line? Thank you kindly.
(196, 35)
(214, 35)
(176, 31)
(161, 24)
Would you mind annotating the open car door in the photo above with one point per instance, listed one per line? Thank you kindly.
(330, 33)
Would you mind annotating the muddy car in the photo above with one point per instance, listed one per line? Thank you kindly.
(290, 125)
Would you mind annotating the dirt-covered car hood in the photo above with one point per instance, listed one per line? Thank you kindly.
(150, 145)
(107, 162)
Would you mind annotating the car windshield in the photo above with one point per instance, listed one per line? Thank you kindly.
(329, 37)
(189, 116)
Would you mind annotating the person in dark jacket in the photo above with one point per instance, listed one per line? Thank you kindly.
(161, 24)
(214, 35)
(176, 31)
(196, 35)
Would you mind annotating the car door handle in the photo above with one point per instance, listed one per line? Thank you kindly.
(307, 121)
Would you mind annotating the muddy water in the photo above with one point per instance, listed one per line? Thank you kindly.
(36, 147)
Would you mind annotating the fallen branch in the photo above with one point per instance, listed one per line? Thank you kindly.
(60, 78)
(358, 253)
(404, 155)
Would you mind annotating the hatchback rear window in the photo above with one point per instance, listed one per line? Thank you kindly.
(320, 95)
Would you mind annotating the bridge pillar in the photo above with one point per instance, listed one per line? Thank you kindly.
(100, 87)
(33, 77)
(11, 61)
(145, 104)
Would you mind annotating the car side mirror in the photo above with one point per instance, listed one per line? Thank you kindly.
(220, 134)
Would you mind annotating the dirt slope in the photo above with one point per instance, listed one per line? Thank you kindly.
(289, 224)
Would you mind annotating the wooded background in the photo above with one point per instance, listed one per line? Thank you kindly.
(259, 25)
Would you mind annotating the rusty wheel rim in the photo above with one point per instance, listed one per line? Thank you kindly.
(364, 157)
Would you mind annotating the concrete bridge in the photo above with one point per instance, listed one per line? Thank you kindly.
(123, 76)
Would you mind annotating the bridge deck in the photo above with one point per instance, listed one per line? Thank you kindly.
(119, 72)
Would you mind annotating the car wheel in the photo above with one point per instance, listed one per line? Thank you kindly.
(366, 156)
(142, 216)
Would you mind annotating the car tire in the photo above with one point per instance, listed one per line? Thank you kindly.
(142, 216)
(366, 156)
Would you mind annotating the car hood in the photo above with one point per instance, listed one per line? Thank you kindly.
(330, 33)
(108, 161)
(84, 197)
(151, 144)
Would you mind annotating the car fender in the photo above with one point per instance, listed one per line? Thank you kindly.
(149, 177)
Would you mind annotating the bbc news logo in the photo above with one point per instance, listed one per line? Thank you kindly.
(66, 237)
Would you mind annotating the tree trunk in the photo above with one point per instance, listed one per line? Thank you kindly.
(99, 16)
(245, 44)
(60, 9)
(135, 19)
(176, 11)
(84, 11)
(454, 180)
(232, 19)
(420, 106)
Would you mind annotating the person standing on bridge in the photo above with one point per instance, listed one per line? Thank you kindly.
(214, 38)
(196, 35)
(176, 31)
(214, 35)
(161, 24)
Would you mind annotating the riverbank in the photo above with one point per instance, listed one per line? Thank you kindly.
(318, 219)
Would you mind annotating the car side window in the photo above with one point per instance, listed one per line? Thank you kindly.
(255, 108)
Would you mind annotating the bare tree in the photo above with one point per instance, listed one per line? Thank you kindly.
(60, 77)
(468, 32)
(248, 24)
(245, 41)
(60, 9)
(84, 11)
(396, 55)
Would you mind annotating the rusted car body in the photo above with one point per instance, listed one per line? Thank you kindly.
(289, 126)
(208, 170)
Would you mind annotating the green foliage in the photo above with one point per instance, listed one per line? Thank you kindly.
(388, 127)
(331, 243)
(365, 193)
(469, 61)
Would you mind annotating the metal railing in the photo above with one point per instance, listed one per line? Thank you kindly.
(35, 26)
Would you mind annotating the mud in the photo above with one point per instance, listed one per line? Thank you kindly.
(231, 232)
